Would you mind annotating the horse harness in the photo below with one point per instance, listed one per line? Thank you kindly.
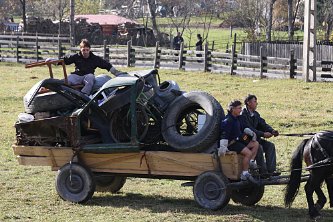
(318, 154)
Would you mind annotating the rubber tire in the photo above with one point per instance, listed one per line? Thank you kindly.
(120, 124)
(210, 190)
(248, 196)
(209, 133)
(110, 184)
(84, 185)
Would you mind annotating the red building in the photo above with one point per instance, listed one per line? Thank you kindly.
(109, 23)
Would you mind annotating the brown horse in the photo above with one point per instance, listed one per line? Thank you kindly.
(317, 153)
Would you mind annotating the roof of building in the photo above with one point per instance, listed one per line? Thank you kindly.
(106, 19)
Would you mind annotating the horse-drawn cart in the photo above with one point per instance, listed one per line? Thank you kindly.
(104, 168)
(132, 127)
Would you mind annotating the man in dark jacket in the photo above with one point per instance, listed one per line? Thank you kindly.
(85, 64)
(262, 130)
(177, 40)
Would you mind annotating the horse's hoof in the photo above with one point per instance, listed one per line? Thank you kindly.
(315, 218)
(314, 214)
(319, 206)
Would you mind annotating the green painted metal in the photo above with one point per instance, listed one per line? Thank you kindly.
(111, 148)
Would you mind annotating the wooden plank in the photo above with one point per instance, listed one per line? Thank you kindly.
(277, 66)
(242, 56)
(232, 165)
(144, 56)
(221, 54)
(277, 59)
(118, 50)
(187, 163)
(248, 64)
(34, 161)
(41, 151)
(145, 50)
(221, 60)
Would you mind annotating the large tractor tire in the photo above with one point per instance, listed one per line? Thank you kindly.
(191, 123)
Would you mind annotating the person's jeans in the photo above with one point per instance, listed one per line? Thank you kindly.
(267, 163)
(87, 80)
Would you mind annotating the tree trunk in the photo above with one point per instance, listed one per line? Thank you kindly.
(72, 23)
(290, 20)
(152, 8)
(24, 18)
(328, 30)
(270, 21)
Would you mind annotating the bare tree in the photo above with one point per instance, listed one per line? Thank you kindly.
(270, 20)
(250, 15)
(152, 10)
(290, 20)
(325, 16)
(24, 18)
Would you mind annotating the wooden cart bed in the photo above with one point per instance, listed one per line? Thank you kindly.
(154, 163)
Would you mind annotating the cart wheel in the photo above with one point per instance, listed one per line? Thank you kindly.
(75, 183)
(113, 184)
(248, 196)
(210, 190)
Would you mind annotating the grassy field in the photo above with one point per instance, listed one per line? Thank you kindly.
(291, 106)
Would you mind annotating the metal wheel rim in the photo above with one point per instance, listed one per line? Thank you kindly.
(187, 123)
(211, 190)
(74, 183)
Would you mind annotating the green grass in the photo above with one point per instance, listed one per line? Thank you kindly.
(28, 193)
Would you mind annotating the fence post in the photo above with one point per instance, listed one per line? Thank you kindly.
(233, 57)
(292, 64)
(206, 58)
(106, 51)
(129, 47)
(37, 51)
(263, 62)
(59, 48)
(181, 51)
(17, 49)
(213, 45)
(157, 56)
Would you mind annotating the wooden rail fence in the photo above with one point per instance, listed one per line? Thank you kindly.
(22, 50)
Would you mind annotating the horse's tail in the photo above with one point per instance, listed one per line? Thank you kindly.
(295, 175)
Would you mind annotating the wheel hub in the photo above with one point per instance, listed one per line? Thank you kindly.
(211, 190)
(74, 183)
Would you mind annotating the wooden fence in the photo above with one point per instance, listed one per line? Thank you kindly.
(22, 50)
(282, 50)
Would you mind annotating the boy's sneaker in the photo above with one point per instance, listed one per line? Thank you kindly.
(253, 165)
(276, 173)
(247, 176)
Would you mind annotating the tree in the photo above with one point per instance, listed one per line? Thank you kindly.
(325, 16)
(270, 21)
(152, 9)
(24, 18)
(250, 15)
(86, 7)
(290, 20)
